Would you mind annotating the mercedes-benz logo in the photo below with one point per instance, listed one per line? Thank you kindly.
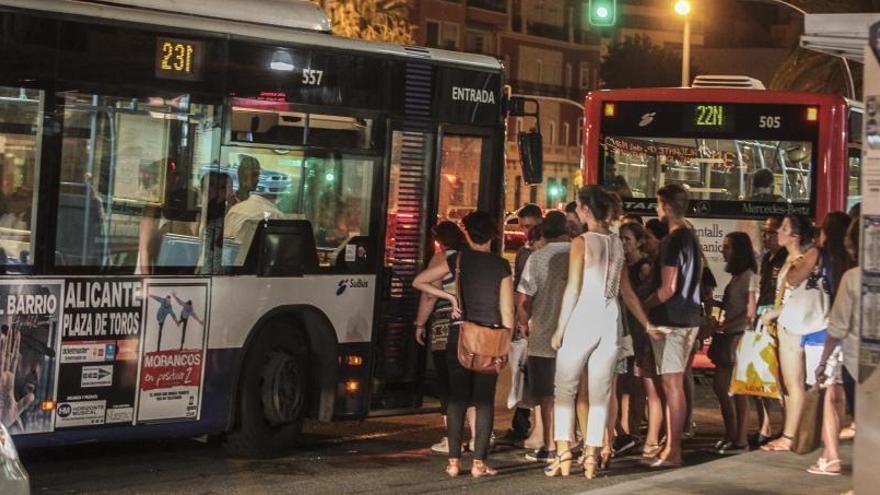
(703, 208)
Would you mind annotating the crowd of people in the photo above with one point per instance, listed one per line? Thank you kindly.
(613, 310)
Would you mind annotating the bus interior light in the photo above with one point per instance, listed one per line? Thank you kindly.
(812, 114)
(352, 386)
(354, 360)
(608, 110)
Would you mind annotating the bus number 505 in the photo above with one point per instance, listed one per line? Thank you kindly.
(768, 122)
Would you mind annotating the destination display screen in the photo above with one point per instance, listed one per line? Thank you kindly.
(179, 59)
(709, 119)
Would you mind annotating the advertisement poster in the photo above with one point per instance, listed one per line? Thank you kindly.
(100, 338)
(29, 316)
(711, 233)
(174, 350)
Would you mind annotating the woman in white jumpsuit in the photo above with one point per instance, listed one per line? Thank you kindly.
(588, 331)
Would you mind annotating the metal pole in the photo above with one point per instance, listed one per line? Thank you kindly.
(686, 53)
(564, 101)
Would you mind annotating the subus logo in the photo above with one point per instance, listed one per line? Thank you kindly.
(647, 119)
(354, 283)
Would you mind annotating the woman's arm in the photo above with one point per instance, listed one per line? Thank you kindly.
(425, 281)
(505, 302)
(572, 289)
(523, 312)
(427, 301)
(802, 268)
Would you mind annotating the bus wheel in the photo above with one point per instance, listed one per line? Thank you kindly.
(272, 396)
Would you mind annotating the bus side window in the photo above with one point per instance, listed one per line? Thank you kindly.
(131, 198)
(20, 139)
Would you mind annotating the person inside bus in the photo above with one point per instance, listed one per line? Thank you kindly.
(762, 186)
(613, 181)
(250, 208)
(486, 294)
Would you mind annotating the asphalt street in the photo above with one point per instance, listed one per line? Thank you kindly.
(381, 455)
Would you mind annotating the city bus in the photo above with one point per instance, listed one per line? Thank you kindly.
(743, 154)
(211, 214)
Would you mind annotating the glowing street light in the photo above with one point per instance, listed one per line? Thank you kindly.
(683, 8)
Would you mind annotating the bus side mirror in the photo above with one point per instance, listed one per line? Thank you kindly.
(531, 156)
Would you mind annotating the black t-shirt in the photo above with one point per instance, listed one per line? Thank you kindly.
(771, 263)
(481, 276)
(681, 249)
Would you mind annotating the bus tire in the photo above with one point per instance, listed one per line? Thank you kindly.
(272, 395)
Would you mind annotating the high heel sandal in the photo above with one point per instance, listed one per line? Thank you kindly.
(590, 466)
(453, 468)
(560, 466)
(605, 460)
(651, 451)
(480, 469)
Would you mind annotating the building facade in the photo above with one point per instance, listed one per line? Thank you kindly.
(550, 54)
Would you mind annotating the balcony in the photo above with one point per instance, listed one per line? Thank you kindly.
(493, 5)
(541, 89)
(554, 32)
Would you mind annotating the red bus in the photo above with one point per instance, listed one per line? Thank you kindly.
(743, 154)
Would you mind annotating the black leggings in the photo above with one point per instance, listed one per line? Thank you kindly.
(439, 357)
(467, 388)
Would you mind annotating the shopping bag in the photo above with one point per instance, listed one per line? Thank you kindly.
(517, 358)
(809, 431)
(756, 371)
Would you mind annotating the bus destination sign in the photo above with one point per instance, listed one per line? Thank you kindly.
(179, 59)
(709, 119)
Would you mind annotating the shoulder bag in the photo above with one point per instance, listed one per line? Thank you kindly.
(806, 309)
(481, 349)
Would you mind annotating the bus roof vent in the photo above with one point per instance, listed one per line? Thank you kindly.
(743, 82)
(296, 14)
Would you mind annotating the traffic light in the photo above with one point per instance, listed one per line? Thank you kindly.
(602, 12)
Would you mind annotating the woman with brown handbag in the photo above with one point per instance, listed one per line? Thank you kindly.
(485, 300)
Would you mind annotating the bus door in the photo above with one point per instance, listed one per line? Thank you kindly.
(433, 177)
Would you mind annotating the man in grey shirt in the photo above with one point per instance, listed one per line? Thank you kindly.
(538, 298)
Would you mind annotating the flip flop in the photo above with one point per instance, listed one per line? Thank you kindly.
(776, 445)
(822, 467)
(664, 464)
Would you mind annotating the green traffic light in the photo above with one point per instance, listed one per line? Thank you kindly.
(602, 12)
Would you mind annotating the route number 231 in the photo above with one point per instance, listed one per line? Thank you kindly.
(768, 122)
(312, 77)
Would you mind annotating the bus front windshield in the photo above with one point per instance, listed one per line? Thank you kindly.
(710, 168)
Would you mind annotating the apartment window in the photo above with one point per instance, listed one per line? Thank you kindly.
(551, 192)
(432, 33)
(563, 193)
(551, 129)
(539, 64)
(585, 75)
(519, 125)
(449, 37)
(568, 75)
(533, 194)
(478, 42)
(565, 133)
(580, 131)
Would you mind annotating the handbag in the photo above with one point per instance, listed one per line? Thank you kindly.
(807, 307)
(481, 349)
(809, 430)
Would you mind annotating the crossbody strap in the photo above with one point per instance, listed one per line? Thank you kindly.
(458, 294)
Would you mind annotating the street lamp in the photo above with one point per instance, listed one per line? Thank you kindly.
(683, 8)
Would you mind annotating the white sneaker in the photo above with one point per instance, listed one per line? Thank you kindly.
(441, 447)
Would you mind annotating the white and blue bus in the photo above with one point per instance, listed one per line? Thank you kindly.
(211, 214)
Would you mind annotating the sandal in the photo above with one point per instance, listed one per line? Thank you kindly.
(664, 464)
(777, 445)
(590, 466)
(652, 450)
(605, 460)
(561, 466)
(823, 467)
(453, 468)
(480, 469)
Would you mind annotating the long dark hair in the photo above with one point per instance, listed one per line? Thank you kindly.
(450, 236)
(599, 201)
(835, 226)
(742, 256)
(802, 226)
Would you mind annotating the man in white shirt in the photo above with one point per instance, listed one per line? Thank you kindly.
(252, 207)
